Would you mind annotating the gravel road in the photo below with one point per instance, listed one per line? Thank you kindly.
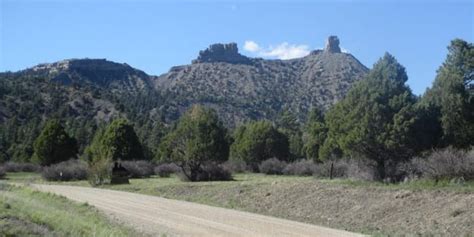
(156, 216)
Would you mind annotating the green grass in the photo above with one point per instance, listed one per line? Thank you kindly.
(26, 212)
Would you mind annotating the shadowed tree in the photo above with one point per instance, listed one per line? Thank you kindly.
(54, 145)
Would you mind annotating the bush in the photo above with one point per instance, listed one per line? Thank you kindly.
(165, 170)
(21, 167)
(444, 164)
(272, 166)
(210, 172)
(236, 166)
(139, 168)
(66, 171)
(345, 168)
(300, 168)
(100, 172)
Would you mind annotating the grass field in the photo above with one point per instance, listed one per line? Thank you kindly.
(25, 212)
(412, 208)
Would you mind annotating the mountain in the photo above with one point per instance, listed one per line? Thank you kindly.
(85, 93)
(242, 88)
(98, 72)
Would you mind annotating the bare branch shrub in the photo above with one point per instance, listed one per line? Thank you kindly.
(65, 171)
(139, 168)
(272, 166)
(300, 168)
(448, 163)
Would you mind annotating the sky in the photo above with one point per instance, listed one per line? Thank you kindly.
(156, 35)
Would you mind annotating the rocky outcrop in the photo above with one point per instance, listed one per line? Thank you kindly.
(332, 45)
(227, 53)
(262, 88)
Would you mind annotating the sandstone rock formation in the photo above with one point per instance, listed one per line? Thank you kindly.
(227, 53)
(332, 45)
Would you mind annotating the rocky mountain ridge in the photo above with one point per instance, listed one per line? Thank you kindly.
(242, 88)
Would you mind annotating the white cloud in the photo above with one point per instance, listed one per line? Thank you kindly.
(281, 51)
(251, 46)
(344, 50)
(287, 51)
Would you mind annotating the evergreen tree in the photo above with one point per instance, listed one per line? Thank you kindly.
(452, 95)
(116, 142)
(199, 137)
(315, 134)
(54, 145)
(258, 141)
(375, 120)
(288, 124)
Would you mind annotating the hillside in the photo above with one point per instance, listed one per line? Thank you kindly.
(241, 88)
(87, 92)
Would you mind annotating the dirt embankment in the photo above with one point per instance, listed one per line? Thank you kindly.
(372, 210)
(155, 215)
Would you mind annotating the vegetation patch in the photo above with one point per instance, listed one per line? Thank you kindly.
(25, 212)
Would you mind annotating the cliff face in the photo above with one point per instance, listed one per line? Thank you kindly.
(242, 88)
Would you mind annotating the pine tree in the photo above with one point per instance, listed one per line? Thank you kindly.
(452, 95)
(116, 142)
(199, 137)
(54, 145)
(257, 141)
(375, 120)
(315, 134)
(288, 124)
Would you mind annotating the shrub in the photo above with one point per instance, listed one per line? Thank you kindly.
(361, 170)
(165, 170)
(139, 168)
(345, 168)
(210, 172)
(236, 166)
(21, 167)
(444, 164)
(300, 168)
(100, 172)
(66, 171)
(339, 169)
(272, 166)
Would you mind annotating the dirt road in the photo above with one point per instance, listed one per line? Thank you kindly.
(157, 216)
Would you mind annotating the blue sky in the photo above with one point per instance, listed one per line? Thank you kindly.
(155, 35)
